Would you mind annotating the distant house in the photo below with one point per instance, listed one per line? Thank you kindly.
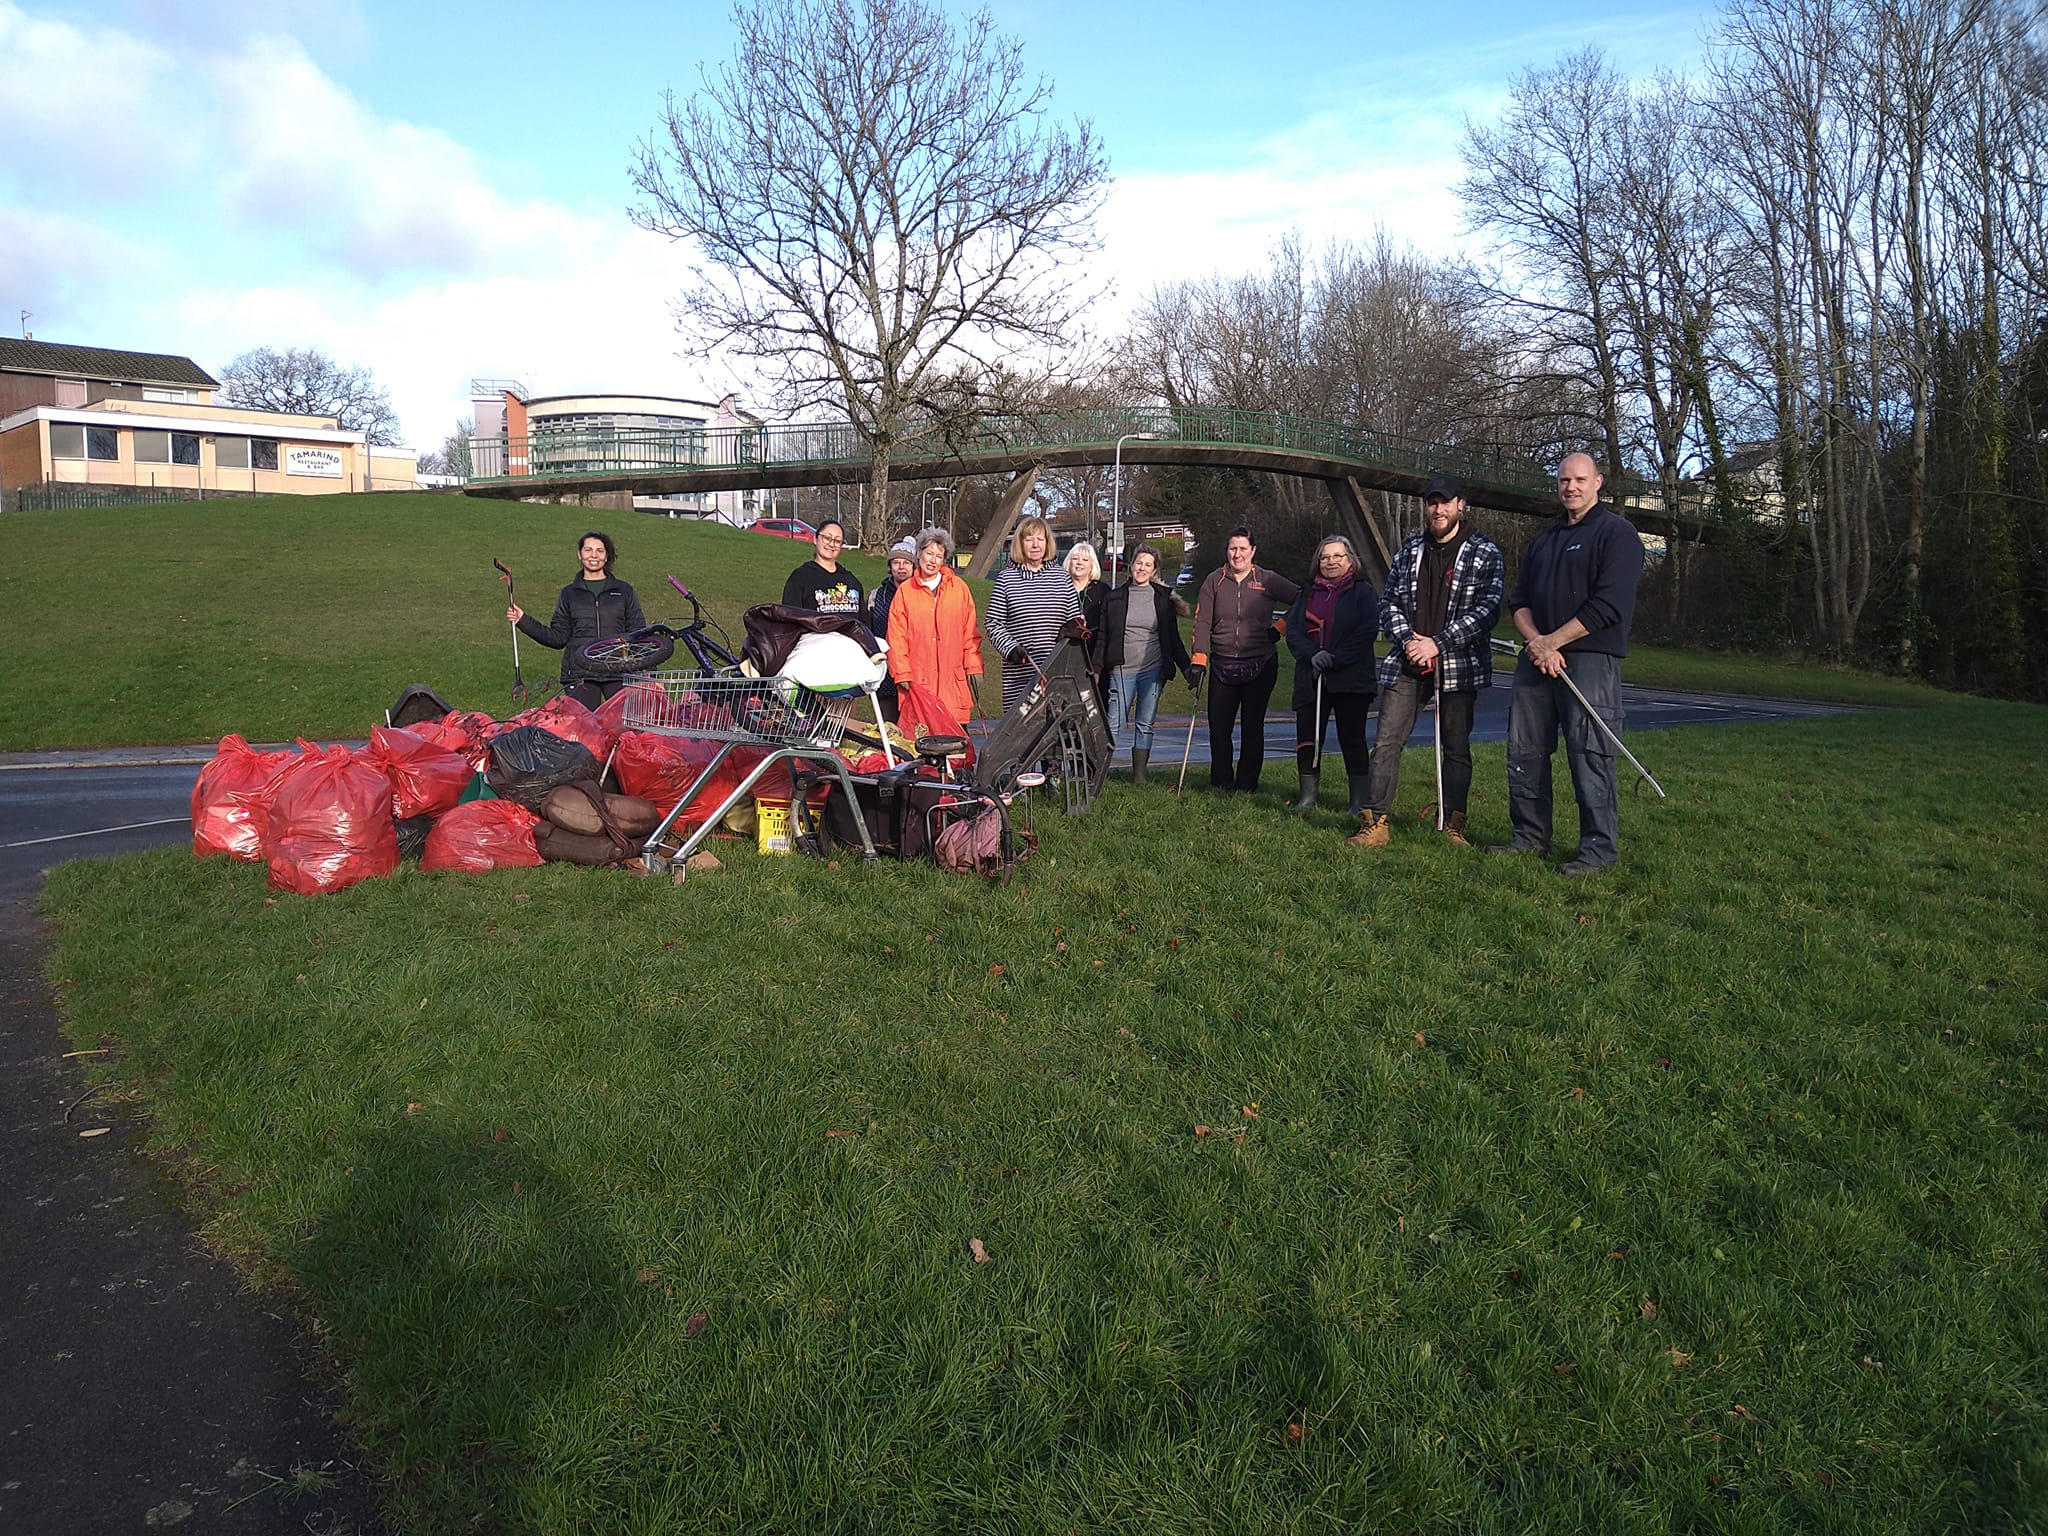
(93, 416)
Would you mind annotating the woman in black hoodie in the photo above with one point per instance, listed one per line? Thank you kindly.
(595, 606)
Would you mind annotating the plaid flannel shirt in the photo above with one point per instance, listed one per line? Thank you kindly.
(1465, 658)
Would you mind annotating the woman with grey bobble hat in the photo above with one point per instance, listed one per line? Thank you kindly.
(902, 561)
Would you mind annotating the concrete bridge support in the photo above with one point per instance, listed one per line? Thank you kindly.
(1355, 517)
(996, 536)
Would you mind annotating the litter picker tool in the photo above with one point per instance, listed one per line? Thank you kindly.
(1508, 647)
(1188, 750)
(520, 693)
(1315, 764)
(1436, 708)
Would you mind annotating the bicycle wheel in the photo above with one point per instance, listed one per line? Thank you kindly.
(622, 655)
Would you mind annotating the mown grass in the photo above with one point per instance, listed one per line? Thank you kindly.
(307, 615)
(1704, 1196)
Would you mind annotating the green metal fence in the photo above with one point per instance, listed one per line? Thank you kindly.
(546, 455)
(52, 497)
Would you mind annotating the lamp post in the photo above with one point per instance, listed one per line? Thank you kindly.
(1116, 499)
(937, 490)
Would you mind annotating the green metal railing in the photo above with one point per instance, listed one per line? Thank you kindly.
(54, 497)
(546, 455)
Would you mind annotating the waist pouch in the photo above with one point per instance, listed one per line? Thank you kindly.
(1239, 671)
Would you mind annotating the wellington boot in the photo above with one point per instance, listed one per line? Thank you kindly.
(1454, 828)
(1373, 831)
(1361, 786)
(1140, 756)
(1310, 782)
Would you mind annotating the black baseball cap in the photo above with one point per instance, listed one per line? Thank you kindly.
(1443, 488)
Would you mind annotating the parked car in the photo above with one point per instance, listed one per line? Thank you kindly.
(1186, 578)
(785, 528)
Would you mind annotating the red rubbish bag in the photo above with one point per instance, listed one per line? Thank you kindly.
(662, 768)
(231, 801)
(426, 778)
(570, 720)
(330, 823)
(919, 713)
(467, 734)
(483, 835)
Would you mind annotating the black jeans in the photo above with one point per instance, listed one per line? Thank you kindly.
(1226, 700)
(1350, 711)
(1400, 707)
(593, 691)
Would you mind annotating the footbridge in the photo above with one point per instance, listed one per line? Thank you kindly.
(1348, 460)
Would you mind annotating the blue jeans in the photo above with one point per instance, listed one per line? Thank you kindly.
(1541, 707)
(1139, 691)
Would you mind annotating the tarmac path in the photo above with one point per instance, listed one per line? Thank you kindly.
(144, 1385)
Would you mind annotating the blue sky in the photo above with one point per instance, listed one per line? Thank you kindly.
(439, 192)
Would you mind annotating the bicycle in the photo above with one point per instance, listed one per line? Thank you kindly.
(645, 648)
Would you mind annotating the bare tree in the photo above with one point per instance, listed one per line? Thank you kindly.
(452, 457)
(307, 382)
(876, 197)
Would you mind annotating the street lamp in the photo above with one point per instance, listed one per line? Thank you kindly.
(1116, 498)
(937, 490)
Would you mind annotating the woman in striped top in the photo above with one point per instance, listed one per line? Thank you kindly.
(1028, 602)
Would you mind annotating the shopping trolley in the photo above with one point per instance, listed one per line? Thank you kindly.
(797, 723)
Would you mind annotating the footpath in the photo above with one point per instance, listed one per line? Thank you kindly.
(145, 1388)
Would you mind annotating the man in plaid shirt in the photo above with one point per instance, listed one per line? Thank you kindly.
(1442, 600)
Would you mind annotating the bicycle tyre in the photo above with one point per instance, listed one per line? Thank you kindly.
(623, 655)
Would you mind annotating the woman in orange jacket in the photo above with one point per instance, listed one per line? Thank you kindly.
(933, 638)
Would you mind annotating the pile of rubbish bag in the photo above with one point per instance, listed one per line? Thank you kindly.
(461, 792)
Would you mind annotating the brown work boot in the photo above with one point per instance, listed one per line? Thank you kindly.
(1454, 829)
(1373, 831)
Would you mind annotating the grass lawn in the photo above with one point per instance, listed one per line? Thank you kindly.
(1703, 1196)
(307, 615)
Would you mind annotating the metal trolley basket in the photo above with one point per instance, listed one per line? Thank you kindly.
(800, 724)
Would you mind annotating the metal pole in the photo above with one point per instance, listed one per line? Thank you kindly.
(1510, 648)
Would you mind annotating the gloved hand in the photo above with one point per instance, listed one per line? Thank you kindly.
(1322, 661)
(1018, 657)
(1194, 675)
(974, 689)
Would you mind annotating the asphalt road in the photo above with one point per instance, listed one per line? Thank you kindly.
(145, 1387)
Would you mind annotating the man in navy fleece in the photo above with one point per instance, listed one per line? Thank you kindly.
(1573, 600)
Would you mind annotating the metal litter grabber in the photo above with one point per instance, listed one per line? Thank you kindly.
(1188, 751)
(520, 692)
(1509, 648)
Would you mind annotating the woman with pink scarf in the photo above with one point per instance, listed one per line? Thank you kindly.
(1330, 630)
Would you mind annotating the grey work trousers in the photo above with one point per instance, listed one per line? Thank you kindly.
(1539, 709)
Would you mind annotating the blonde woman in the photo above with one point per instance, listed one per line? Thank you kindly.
(1085, 567)
(1028, 602)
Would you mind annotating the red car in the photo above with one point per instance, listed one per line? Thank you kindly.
(786, 528)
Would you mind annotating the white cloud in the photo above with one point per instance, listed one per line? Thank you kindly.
(78, 106)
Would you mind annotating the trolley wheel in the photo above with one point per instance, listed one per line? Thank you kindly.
(622, 655)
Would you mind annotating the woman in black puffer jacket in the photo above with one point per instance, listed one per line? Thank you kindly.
(595, 606)
(1330, 630)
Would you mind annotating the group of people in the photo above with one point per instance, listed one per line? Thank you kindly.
(1572, 602)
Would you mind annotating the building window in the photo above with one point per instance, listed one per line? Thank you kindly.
(263, 453)
(231, 453)
(152, 447)
(71, 392)
(169, 396)
(67, 440)
(185, 448)
(102, 443)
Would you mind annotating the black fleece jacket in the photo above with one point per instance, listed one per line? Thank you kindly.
(582, 616)
(1587, 571)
